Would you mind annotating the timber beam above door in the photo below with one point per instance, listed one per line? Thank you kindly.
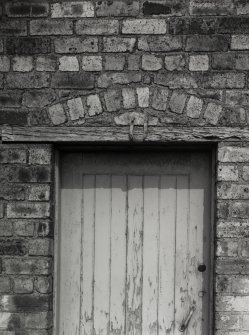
(155, 134)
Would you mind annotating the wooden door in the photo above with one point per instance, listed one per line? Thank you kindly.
(134, 244)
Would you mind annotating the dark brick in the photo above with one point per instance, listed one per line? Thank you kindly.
(233, 117)
(39, 117)
(8, 99)
(12, 248)
(185, 26)
(1, 81)
(25, 8)
(235, 25)
(223, 61)
(155, 8)
(13, 117)
(28, 45)
(13, 28)
(38, 98)
(27, 80)
(25, 303)
(73, 80)
(207, 43)
(117, 8)
(15, 192)
(29, 174)
(222, 80)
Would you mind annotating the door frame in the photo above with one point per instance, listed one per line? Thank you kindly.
(211, 148)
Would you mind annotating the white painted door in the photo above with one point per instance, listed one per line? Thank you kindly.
(134, 244)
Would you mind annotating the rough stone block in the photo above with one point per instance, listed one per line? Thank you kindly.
(4, 64)
(38, 98)
(28, 45)
(118, 44)
(112, 100)
(69, 63)
(27, 80)
(143, 96)
(223, 80)
(40, 156)
(223, 61)
(176, 80)
(151, 63)
(38, 192)
(194, 107)
(74, 45)
(75, 109)
(129, 98)
(207, 43)
(192, 26)
(227, 248)
(199, 63)
(144, 26)
(242, 7)
(10, 99)
(160, 43)
(27, 210)
(175, 63)
(108, 79)
(228, 173)
(97, 27)
(117, 8)
(94, 104)
(114, 62)
(77, 81)
(212, 113)
(57, 114)
(22, 63)
(160, 98)
(133, 62)
(233, 154)
(72, 9)
(92, 63)
(177, 102)
(12, 156)
(51, 27)
(46, 63)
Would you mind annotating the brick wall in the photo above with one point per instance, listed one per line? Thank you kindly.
(104, 63)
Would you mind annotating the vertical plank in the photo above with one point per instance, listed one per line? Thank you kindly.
(70, 246)
(134, 256)
(182, 299)
(102, 255)
(166, 299)
(87, 255)
(150, 255)
(118, 255)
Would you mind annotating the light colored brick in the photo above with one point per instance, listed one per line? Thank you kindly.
(31, 210)
(75, 109)
(160, 98)
(118, 44)
(92, 63)
(41, 247)
(227, 248)
(45, 63)
(212, 113)
(112, 100)
(4, 64)
(231, 303)
(175, 62)
(143, 96)
(38, 192)
(40, 156)
(22, 63)
(57, 114)
(68, 63)
(144, 26)
(177, 102)
(75, 45)
(129, 98)
(194, 107)
(151, 63)
(72, 9)
(97, 27)
(94, 104)
(228, 173)
(23, 285)
(233, 154)
(240, 42)
(114, 62)
(199, 63)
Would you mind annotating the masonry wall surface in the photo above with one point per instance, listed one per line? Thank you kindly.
(110, 63)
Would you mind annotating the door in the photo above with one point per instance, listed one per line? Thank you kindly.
(134, 244)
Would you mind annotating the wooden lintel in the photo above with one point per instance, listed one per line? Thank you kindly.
(155, 134)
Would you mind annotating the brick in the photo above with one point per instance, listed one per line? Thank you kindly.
(199, 63)
(28, 45)
(75, 109)
(97, 27)
(164, 7)
(233, 98)
(114, 62)
(151, 63)
(192, 26)
(117, 8)
(228, 173)
(118, 44)
(15, 192)
(12, 248)
(73, 80)
(4, 64)
(68, 63)
(92, 63)
(223, 80)
(29, 210)
(22, 63)
(40, 156)
(160, 43)
(177, 102)
(6, 228)
(51, 27)
(245, 172)
(160, 98)
(212, 113)
(227, 265)
(233, 25)
(46, 63)
(23, 285)
(129, 98)
(242, 62)
(245, 249)
(227, 321)
(4, 284)
(144, 26)
(28, 303)
(222, 61)
(72, 9)
(27, 80)
(43, 284)
(8, 99)
(239, 284)
(38, 193)
(233, 154)
(133, 62)
(207, 43)
(13, 28)
(41, 247)
(27, 266)
(112, 100)
(227, 248)
(240, 42)
(38, 117)
(94, 104)
(76, 45)
(12, 156)
(35, 321)
(228, 303)
(176, 80)
(232, 191)
(11, 117)
(242, 7)
(26, 9)
(239, 209)
(57, 114)
(143, 96)
(107, 79)
(194, 107)
(1, 210)
(211, 7)
(38, 98)
(174, 63)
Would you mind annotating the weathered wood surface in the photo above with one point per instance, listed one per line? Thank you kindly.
(121, 134)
